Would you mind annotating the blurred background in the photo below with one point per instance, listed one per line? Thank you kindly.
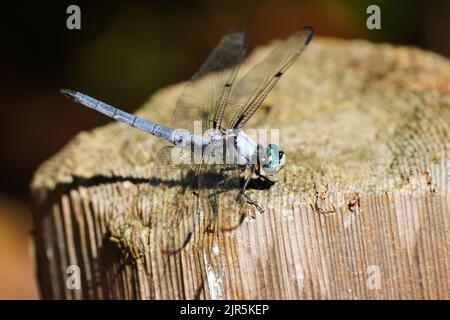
(126, 51)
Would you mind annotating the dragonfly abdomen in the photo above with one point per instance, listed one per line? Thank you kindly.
(120, 115)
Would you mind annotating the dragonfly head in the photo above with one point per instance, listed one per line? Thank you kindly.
(273, 160)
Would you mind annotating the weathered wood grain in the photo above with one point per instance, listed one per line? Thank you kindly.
(365, 189)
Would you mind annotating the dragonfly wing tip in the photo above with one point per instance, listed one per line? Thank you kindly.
(311, 32)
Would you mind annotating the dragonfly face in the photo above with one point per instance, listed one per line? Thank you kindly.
(274, 159)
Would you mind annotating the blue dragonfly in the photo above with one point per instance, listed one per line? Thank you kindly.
(209, 153)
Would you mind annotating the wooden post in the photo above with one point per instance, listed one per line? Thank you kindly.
(361, 210)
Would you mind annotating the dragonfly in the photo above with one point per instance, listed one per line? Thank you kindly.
(208, 152)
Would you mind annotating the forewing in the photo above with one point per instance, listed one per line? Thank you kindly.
(204, 98)
(250, 91)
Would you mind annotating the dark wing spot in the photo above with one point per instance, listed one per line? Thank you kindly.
(227, 85)
(279, 74)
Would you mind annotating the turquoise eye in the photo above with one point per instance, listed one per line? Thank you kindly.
(275, 159)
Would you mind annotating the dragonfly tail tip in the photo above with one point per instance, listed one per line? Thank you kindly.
(68, 93)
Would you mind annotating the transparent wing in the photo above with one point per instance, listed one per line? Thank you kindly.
(165, 169)
(250, 91)
(204, 98)
(201, 196)
(220, 186)
(173, 228)
(219, 182)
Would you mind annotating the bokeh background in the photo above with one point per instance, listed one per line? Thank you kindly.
(123, 53)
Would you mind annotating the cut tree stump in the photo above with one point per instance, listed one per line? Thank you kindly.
(360, 211)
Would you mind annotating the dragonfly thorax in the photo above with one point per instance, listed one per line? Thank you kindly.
(236, 147)
(246, 147)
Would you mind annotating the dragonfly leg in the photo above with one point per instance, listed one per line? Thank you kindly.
(251, 201)
(246, 197)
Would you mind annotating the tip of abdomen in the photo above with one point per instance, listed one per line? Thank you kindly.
(68, 93)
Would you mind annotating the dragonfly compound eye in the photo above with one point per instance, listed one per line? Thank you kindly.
(276, 158)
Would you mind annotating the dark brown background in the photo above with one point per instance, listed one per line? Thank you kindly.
(122, 54)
